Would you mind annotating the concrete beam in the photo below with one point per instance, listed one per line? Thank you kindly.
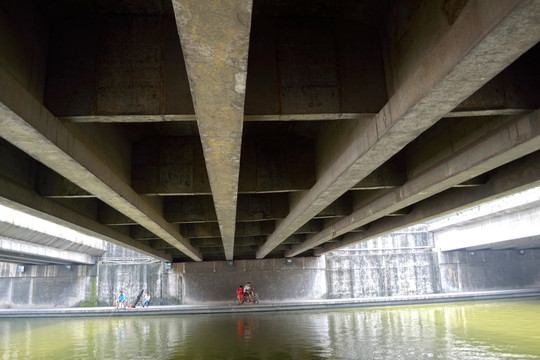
(518, 138)
(519, 175)
(464, 62)
(339, 208)
(253, 207)
(139, 233)
(498, 230)
(110, 216)
(390, 175)
(92, 247)
(215, 42)
(28, 125)
(189, 209)
(169, 166)
(30, 251)
(19, 198)
(238, 242)
(276, 117)
(267, 164)
(310, 227)
(243, 229)
(205, 230)
(52, 185)
(175, 165)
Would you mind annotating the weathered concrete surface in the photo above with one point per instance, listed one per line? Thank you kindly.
(215, 42)
(509, 179)
(16, 251)
(513, 227)
(394, 267)
(51, 143)
(139, 120)
(46, 286)
(480, 270)
(519, 137)
(406, 113)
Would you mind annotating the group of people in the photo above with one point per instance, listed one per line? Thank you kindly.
(246, 290)
(241, 292)
(121, 300)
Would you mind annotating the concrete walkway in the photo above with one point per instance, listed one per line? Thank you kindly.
(210, 308)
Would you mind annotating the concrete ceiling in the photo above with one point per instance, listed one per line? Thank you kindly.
(196, 130)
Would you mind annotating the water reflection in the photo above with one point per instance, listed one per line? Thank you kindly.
(490, 330)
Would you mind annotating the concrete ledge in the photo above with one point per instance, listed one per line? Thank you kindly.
(274, 306)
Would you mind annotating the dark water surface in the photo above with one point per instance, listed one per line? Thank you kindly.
(507, 329)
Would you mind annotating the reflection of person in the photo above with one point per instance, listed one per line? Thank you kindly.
(240, 328)
(121, 300)
(146, 299)
(249, 291)
(240, 294)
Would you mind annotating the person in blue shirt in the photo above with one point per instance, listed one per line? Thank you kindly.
(121, 300)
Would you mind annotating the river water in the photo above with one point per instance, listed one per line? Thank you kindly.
(502, 329)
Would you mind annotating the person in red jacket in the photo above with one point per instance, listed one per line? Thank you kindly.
(240, 294)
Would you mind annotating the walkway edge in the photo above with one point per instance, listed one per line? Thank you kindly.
(267, 307)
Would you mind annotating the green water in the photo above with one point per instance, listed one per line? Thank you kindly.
(508, 329)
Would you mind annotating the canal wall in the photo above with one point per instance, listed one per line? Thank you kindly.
(396, 265)
(399, 264)
(480, 270)
(46, 286)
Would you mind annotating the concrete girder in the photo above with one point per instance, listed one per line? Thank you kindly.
(294, 239)
(464, 63)
(389, 175)
(215, 41)
(52, 185)
(268, 167)
(27, 124)
(312, 226)
(238, 242)
(169, 166)
(26, 253)
(110, 216)
(16, 232)
(519, 175)
(140, 233)
(339, 208)
(189, 209)
(175, 165)
(518, 138)
(252, 207)
(257, 207)
(496, 97)
(19, 198)
(129, 119)
(243, 229)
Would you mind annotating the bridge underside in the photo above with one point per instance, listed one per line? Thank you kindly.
(196, 130)
(19, 244)
(512, 227)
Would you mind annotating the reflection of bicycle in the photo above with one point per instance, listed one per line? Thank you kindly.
(246, 298)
